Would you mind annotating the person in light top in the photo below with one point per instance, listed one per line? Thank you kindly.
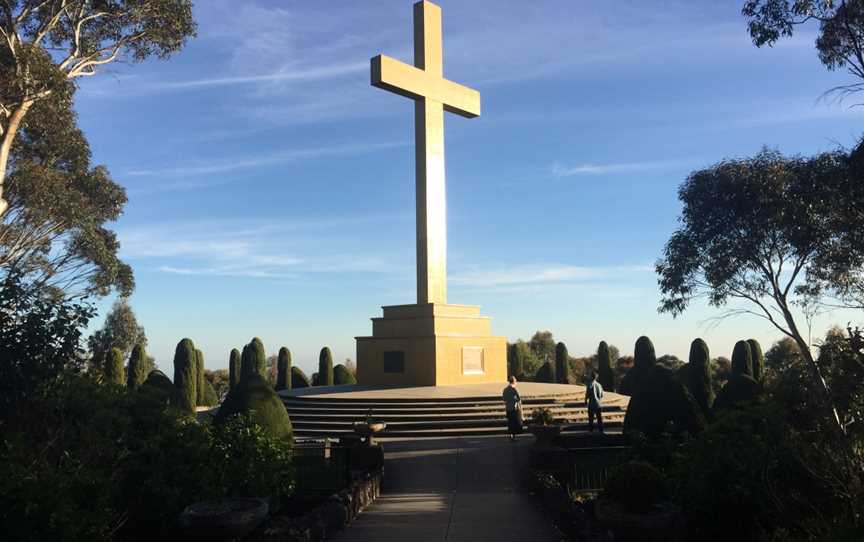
(594, 400)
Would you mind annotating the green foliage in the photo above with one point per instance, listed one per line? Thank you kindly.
(39, 340)
(299, 378)
(546, 373)
(696, 375)
(739, 390)
(643, 362)
(742, 359)
(253, 360)
(200, 381)
(515, 361)
(542, 345)
(341, 376)
(254, 397)
(521, 355)
(777, 483)
(120, 330)
(233, 368)
(186, 376)
(757, 360)
(636, 486)
(283, 374)
(605, 374)
(218, 380)
(161, 387)
(542, 416)
(122, 466)
(660, 403)
(139, 367)
(562, 366)
(325, 367)
(113, 370)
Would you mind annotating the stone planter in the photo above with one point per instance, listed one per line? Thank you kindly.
(545, 434)
(660, 524)
(223, 520)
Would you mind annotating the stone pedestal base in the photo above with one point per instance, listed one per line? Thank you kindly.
(431, 345)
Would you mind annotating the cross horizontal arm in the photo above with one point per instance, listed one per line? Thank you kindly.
(406, 80)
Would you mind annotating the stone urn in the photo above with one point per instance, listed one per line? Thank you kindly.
(226, 519)
(545, 434)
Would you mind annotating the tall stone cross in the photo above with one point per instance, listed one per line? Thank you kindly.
(432, 94)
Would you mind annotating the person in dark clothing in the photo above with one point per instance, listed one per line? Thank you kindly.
(594, 400)
(513, 406)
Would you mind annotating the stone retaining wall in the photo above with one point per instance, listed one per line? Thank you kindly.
(331, 516)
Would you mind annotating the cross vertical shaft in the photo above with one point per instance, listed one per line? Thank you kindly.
(432, 94)
(429, 162)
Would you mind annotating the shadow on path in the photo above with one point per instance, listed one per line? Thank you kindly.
(454, 489)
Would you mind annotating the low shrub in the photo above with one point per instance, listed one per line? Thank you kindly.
(254, 397)
(636, 485)
(542, 416)
(342, 376)
(299, 378)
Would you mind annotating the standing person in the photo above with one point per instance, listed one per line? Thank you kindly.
(594, 399)
(513, 406)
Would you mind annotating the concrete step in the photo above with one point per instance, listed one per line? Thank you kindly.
(437, 424)
(569, 429)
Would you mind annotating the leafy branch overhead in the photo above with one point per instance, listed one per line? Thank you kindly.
(46, 44)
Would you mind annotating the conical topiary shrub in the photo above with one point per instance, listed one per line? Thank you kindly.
(233, 368)
(515, 360)
(283, 370)
(562, 364)
(546, 373)
(201, 382)
(757, 359)
(644, 360)
(697, 376)
(325, 367)
(158, 383)
(113, 370)
(742, 359)
(137, 372)
(253, 360)
(605, 374)
(342, 376)
(210, 398)
(186, 376)
(254, 397)
(299, 378)
(741, 388)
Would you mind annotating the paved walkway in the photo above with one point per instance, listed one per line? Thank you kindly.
(454, 489)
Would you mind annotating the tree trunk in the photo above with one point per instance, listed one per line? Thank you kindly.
(6, 146)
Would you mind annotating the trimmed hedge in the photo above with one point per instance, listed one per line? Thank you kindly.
(185, 376)
(136, 373)
(158, 383)
(742, 359)
(644, 360)
(201, 381)
(233, 368)
(697, 376)
(515, 361)
(299, 378)
(546, 373)
(283, 370)
(254, 397)
(605, 374)
(253, 360)
(758, 360)
(342, 376)
(113, 370)
(325, 368)
(562, 367)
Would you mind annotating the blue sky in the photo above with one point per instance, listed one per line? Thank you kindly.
(272, 188)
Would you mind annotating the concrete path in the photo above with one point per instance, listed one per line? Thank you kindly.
(454, 489)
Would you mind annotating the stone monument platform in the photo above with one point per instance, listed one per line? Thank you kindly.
(431, 344)
(439, 411)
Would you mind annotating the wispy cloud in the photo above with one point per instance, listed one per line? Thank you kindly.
(543, 274)
(559, 170)
(270, 249)
(252, 162)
